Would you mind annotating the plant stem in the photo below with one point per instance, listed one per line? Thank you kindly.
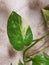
(38, 48)
(30, 58)
(24, 54)
(35, 40)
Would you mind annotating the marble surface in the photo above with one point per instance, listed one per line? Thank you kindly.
(30, 10)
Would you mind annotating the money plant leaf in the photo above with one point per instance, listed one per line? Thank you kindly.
(19, 34)
(46, 16)
(42, 59)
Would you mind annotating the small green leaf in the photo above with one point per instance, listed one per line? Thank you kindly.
(46, 16)
(42, 59)
(19, 34)
(20, 63)
(28, 36)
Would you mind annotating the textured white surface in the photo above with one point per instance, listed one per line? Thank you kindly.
(30, 11)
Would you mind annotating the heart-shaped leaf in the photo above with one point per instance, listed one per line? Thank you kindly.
(19, 33)
(42, 59)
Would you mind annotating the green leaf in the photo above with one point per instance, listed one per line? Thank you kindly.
(46, 16)
(20, 63)
(28, 36)
(42, 59)
(19, 33)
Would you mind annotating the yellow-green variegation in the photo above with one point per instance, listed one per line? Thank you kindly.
(19, 33)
